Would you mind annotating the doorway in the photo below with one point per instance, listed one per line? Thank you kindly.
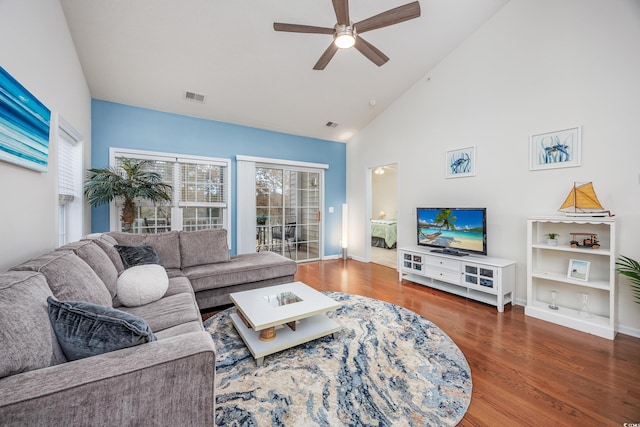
(384, 214)
(288, 212)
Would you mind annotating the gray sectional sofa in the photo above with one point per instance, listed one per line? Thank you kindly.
(203, 257)
(166, 380)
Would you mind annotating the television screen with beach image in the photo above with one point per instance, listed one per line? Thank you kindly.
(453, 229)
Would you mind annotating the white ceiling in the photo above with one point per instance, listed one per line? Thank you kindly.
(147, 53)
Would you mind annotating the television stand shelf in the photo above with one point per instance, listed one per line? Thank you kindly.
(485, 279)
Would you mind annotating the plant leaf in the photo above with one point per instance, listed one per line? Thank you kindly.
(630, 268)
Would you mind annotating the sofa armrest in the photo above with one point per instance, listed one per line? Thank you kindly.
(166, 382)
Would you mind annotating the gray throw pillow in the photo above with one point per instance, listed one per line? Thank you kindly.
(84, 329)
(137, 255)
(167, 245)
(203, 247)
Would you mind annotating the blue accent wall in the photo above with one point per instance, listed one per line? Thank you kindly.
(124, 126)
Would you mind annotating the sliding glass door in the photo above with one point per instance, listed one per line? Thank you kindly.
(288, 212)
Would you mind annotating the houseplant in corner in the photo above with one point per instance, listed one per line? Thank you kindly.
(631, 269)
(129, 181)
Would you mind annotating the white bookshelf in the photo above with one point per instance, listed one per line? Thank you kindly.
(547, 268)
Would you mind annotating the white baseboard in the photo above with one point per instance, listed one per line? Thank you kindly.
(629, 331)
(621, 329)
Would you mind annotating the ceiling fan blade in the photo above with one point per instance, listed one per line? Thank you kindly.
(341, 7)
(374, 54)
(390, 17)
(326, 57)
(297, 28)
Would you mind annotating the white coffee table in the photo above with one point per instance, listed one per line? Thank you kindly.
(279, 317)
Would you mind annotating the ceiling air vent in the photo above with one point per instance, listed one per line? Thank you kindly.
(331, 124)
(195, 97)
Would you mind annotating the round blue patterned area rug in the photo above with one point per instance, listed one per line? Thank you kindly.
(388, 366)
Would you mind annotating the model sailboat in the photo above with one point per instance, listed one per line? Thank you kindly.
(582, 201)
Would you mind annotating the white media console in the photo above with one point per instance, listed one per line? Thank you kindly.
(485, 279)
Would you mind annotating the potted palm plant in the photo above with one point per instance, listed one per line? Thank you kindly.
(630, 268)
(130, 181)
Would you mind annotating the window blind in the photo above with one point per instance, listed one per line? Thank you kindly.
(67, 170)
(202, 184)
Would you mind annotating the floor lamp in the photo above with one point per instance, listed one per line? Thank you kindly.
(345, 230)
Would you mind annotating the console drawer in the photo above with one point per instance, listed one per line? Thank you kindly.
(443, 275)
(442, 263)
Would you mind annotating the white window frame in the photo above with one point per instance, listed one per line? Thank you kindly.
(70, 208)
(176, 205)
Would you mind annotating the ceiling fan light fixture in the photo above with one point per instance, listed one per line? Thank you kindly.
(345, 36)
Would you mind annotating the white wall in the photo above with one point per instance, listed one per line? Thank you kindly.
(383, 193)
(536, 66)
(37, 50)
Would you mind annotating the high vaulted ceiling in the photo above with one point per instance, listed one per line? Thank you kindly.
(147, 53)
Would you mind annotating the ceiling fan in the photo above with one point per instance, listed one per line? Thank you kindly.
(346, 34)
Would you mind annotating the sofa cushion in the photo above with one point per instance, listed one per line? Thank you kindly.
(167, 312)
(85, 329)
(107, 244)
(167, 245)
(137, 255)
(142, 284)
(245, 268)
(27, 341)
(69, 277)
(203, 247)
(178, 285)
(98, 260)
(174, 272)
(181, 329)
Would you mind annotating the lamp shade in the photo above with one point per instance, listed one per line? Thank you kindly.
(345, 226)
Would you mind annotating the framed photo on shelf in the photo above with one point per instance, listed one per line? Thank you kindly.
(557, 149)
(460, 163)
(578, 270)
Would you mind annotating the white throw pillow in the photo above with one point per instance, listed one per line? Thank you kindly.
(142, 284)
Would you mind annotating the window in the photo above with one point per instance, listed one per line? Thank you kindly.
(200, 193)
(70, 222)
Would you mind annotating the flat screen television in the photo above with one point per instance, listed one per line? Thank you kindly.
(454, 231)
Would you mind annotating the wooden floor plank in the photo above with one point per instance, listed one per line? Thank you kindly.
(525, 371)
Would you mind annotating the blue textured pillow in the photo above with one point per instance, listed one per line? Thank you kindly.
(137, 255)
(84, 329)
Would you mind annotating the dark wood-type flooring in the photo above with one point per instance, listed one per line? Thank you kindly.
(526, 372)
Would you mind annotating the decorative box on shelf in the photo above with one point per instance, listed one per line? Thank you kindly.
(574, 282)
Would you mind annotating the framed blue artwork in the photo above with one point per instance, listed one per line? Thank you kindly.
(460, 163)
(557, 149)
(24, 126)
